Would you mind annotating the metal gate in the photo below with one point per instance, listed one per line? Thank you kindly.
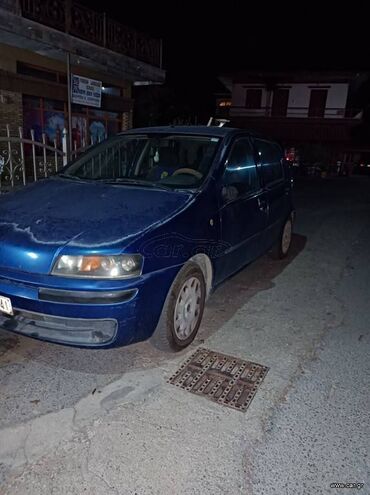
(23, 161)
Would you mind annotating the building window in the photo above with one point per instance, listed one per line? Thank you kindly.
(253, 98)
(60, 77)
(317, 102)
(38, 72)
(280, 103)
(43, 116)
(111, 90)
(41, 73)
(89, 125)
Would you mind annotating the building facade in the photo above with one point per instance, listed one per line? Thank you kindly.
(302, 110)
(39, 38)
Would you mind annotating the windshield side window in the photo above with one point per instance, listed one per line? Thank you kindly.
(108, 160)
(168, 160)
(270, 156)
(241, 175)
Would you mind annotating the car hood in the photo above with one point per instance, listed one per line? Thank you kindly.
(39, 220)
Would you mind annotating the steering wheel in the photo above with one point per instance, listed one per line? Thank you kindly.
(190, 171)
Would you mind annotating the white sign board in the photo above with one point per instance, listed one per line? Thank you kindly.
(86, 91)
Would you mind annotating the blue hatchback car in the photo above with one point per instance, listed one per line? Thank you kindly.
(128, 240)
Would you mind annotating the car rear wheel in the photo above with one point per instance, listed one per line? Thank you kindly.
(183, 310)
(281, 249)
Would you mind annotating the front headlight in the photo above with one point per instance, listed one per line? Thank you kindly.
(121, 266)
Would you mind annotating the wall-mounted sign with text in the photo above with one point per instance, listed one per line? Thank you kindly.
(86, 91)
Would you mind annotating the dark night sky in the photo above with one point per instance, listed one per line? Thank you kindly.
(209, 38)
(203, 39)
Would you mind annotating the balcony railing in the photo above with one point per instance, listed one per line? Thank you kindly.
(296, 112)
(87, 24)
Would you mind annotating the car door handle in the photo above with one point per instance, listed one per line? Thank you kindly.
(262, 204)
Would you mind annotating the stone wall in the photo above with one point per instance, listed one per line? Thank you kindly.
(11, 112)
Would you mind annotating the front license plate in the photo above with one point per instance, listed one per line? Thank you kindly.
(6, 305)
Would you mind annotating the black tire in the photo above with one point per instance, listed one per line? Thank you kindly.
(165, 337)
(281, 250)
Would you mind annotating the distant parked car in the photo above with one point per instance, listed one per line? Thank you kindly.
(362, 168)
(128, 240)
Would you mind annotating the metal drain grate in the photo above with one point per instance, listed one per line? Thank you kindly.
(223, 379)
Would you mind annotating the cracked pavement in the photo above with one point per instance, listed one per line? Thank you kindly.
(78, 421)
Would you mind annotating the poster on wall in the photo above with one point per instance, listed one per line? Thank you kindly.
(53, 126)
(98, 131)
(86, 91)
(79, 131)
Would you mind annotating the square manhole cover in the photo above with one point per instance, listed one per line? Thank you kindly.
(224, 379)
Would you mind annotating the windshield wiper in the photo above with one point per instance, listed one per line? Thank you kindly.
(135, 182)
(71, 177)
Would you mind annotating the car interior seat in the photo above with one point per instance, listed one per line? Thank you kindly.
(167, 164)
(167, 158)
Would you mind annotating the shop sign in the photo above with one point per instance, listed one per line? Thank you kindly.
(86, 91)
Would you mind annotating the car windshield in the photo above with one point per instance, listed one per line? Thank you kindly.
(171, 161)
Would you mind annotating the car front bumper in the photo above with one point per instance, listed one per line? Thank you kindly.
(76, 331)
(85, 313)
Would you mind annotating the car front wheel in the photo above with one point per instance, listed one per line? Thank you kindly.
(183, 310)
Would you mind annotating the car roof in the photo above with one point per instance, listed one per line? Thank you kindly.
(201, 130)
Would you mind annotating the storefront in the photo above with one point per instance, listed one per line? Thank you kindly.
(36, 55)
(44, 120)
(89, 125)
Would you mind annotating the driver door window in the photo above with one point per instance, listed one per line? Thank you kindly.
(240, 177)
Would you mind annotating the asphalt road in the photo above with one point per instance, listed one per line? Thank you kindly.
(77, 421)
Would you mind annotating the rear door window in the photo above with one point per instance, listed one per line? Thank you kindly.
(241, 171)
(270, 156)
